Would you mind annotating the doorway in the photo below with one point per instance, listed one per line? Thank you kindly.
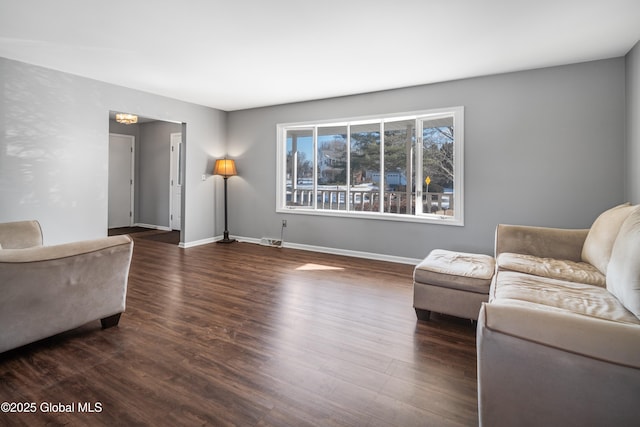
(155, 176)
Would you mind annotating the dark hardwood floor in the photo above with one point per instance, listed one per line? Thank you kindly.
(248, 335)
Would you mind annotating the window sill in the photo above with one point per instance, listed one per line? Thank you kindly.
(423, 219)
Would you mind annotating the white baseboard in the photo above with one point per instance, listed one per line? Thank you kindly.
(313, 248)
(357, 254)
(152, 227)
(246, 239)
(198, 242)
(335, 251)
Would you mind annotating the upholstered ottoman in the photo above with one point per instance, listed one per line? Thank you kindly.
(453, 283)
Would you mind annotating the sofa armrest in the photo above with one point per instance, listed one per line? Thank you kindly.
(20, 234)
(542, 242)
(539, 368)
(592, 337)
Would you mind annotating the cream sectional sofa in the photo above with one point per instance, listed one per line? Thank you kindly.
(559, 340)
(45, 290)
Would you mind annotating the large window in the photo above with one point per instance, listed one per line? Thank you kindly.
(402, 167)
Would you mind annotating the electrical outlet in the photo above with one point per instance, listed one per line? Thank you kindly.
(284, 223)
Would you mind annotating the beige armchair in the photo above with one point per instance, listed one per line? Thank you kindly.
(45, 290)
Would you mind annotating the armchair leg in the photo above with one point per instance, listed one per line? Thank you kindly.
(110, 321)
(423, 314)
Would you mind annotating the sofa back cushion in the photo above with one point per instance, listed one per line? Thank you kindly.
(602, 235)
(623, 273)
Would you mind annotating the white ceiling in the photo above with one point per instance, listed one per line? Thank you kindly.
(237, 54)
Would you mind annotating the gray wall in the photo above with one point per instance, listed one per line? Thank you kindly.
(54, 151)
(633, 125)
(542, 147)
(122, 129)
(153, 167)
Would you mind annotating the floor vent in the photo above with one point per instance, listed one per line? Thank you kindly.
(268, 241)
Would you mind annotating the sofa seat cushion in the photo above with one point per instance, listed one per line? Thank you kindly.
(571, 271)
(555, 295)
(456, 270)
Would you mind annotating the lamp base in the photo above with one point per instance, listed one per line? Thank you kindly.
(226, 239)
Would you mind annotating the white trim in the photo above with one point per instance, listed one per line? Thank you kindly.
(186, 245)
(152, 227)
(356, 254)
(377, 216)
(174, 169)
(213, 240)
(343, 252)
(419, 117)
(376, 118)
(312, 248)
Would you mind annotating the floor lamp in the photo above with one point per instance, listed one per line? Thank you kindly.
(226, 168)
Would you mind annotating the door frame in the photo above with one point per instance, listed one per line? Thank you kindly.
(176, 169)
(132, 186)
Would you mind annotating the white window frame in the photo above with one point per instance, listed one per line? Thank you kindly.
(458, 156)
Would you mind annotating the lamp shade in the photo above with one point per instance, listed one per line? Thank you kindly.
(225, 167)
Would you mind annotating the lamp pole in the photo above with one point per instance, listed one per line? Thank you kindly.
(226, 168)
(225, 237)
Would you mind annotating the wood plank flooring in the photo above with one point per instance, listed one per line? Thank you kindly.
(246, 335)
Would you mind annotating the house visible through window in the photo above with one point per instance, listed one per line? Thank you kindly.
(404, 167)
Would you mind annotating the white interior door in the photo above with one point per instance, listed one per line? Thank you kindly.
(176, 180)
(120, 180)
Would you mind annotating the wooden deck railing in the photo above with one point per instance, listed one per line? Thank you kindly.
(369, 201)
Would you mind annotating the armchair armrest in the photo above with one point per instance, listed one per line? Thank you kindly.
(542, 242)
(20, 234)
(59, 252)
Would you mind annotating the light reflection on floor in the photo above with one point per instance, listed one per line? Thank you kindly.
(317, 267)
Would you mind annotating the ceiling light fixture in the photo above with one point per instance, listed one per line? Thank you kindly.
(127, 119)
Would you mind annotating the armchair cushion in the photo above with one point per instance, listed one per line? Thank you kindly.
(20, 235)
(602, 235)
(623, 273)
